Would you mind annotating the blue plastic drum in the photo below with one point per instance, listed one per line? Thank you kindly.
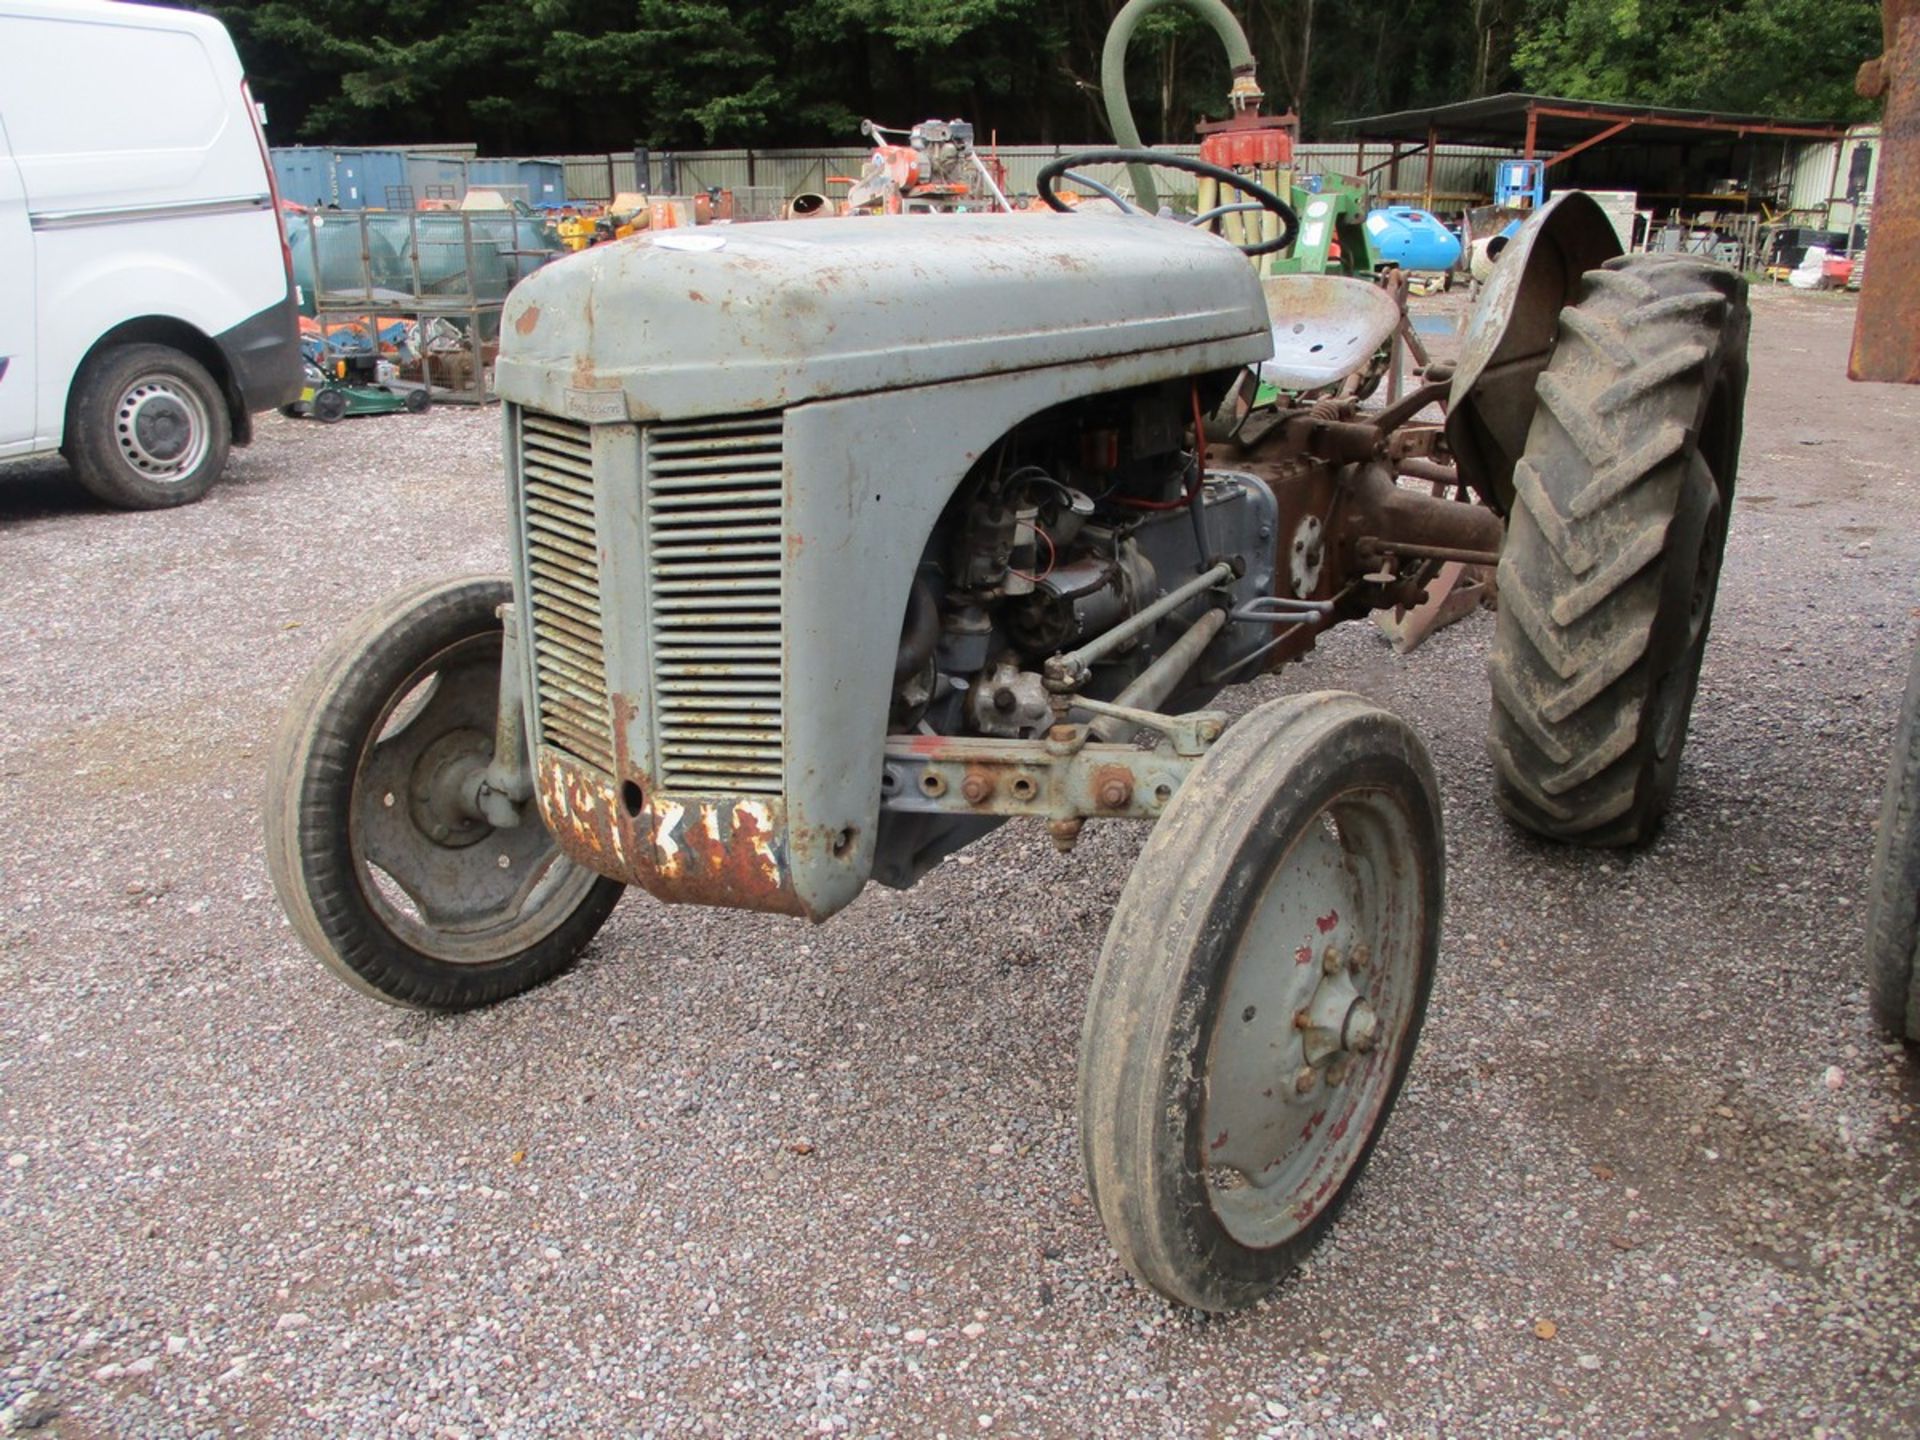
(1411, 238)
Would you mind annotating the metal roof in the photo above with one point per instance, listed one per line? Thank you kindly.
(1559, 122)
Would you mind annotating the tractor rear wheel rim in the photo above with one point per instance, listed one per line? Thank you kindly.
(1292, 1095)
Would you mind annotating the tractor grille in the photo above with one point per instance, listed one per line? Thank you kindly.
(713, 502)
(563, 573)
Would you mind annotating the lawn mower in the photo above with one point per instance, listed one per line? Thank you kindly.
(350, 385)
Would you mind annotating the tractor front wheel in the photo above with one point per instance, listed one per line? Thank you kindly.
(1613, 549)
(1258, 999)
(386, 869)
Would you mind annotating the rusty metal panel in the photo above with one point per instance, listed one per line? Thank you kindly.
(717, 850)
(1511, 334)
(1886, 332)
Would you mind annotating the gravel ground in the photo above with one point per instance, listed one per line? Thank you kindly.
(1654, 1173)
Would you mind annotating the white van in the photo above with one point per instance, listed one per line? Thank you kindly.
(147, 306)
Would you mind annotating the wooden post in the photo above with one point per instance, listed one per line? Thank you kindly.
(1432, 136)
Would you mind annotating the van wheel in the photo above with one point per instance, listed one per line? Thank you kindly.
(148, 429)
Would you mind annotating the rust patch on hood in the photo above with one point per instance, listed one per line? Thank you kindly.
(528, 320)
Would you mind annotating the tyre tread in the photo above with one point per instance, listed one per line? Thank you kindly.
(1893, 897)
(1577, 641)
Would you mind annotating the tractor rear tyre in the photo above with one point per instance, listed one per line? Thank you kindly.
(1893, 903)
(1613, 548)
(387, 873)
(1259, 996)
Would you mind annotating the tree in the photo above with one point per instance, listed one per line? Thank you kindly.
(1782, 57)
(540, 76)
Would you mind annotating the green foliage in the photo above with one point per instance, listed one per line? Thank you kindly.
(532, 76)
(1780, 57)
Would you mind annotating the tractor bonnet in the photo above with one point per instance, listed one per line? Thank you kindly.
(721, 320)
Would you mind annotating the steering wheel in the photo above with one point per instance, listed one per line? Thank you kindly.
(1262, 198)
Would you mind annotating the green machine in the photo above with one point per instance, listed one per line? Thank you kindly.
(353, 388)
(1333, 231)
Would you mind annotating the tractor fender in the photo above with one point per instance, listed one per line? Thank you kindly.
(1511, 335)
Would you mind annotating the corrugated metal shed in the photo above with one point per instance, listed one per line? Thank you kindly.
(1558, 122)
(1818, 177)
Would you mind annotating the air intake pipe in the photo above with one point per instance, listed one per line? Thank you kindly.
(1113, 76)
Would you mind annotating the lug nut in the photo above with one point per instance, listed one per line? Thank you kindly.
(977, 788)
(1331, 963)
(1361, 1029)
(1208, 730)
(1337, 1071)
(1116, 793)
(1305, 1079)
(1359, 955)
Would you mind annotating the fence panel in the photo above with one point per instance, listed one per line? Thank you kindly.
(1462, 174)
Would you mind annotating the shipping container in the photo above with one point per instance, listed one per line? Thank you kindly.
(371, 180)
(433, 176)
(304, 174)
(538, 182)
